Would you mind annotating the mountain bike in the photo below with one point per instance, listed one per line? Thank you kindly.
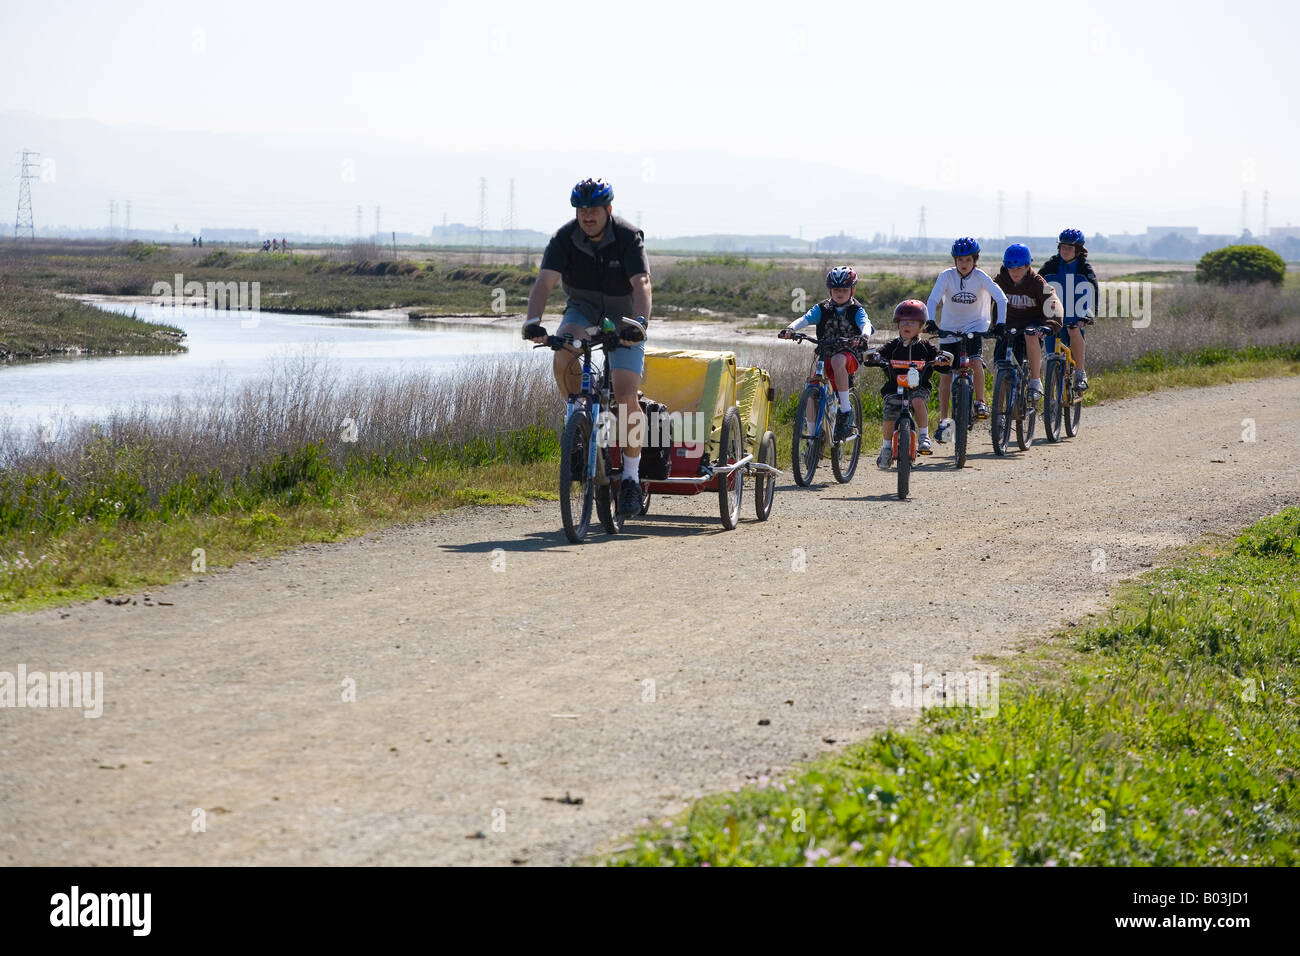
(963, 391)
(907, 377)
(1062, 398)
(590, 464)
(1011, 395)
(814, 413)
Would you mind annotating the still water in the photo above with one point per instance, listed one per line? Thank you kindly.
(220, 346)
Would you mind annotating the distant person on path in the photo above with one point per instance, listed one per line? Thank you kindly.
(601, 261)
(1071, 259)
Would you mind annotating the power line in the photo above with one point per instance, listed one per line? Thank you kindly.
(24, 218)
(482, 216)
(920, 227)
(510, 216)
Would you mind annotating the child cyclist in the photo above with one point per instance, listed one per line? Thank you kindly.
(840, 316)
(965, 293)
(911, 316)
(1071, 259)
(1031, 301)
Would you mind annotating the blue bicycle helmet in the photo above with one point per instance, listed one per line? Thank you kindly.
(592, 192)
(965, 246)
(1072, 236)
(841, 277)
(1017, 254)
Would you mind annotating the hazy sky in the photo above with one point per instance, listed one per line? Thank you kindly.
(1114, 115)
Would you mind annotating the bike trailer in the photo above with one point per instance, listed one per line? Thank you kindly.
(697, 387)
(718, 415)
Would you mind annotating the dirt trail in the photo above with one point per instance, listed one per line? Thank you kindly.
(485, 697)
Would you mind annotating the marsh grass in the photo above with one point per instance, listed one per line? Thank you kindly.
(1165, 736)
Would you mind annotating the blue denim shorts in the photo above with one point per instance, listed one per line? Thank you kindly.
(631, 358)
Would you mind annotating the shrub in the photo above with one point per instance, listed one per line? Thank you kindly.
(1241, 264)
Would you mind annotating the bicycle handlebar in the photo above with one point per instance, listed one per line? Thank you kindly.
(605, 340)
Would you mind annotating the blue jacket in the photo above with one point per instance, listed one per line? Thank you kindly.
(1077, 276)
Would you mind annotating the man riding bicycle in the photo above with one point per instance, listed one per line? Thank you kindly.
(601, 261)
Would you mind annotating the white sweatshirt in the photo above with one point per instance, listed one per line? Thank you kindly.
(965, 301)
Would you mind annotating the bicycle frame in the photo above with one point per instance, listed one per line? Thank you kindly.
(817, 379)
(595, 390)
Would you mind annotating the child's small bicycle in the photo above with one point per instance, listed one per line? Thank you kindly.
(907, 376)
(1011, 395)
(814, 413)
(1062, 398)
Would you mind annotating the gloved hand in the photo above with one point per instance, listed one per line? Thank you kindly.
(786, 333)
(931, 327)
(535, 332)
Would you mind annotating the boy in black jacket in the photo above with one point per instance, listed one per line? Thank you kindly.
(910, 316)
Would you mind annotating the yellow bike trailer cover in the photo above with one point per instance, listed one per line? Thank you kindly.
(690, 381)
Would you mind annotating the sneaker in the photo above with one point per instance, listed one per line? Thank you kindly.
(981, 411)
(884, 458)
(1081, 380)
(945, 430)
(1035, 391)
(843, 425)
(923, 445)
(629, 499)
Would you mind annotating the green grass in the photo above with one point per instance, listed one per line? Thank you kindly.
(35, 323)
(1165, 734)
(101, 557)
(62, 541)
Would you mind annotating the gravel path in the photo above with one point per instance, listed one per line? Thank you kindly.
(489, 691)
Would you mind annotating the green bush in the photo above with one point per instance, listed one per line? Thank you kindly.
(1241, 264)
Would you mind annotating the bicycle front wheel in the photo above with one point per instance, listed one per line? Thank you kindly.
(903, 432)
(961, 415)
(1001, 418)
(805, 450)
(1074, 410)
(1026, 419)
(577, 484)
(1053, 392)
(844, 456)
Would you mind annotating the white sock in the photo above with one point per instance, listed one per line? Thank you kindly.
(1036, 381)
(631, 465)
(844, 401)
(925, 431)
(886, 446)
